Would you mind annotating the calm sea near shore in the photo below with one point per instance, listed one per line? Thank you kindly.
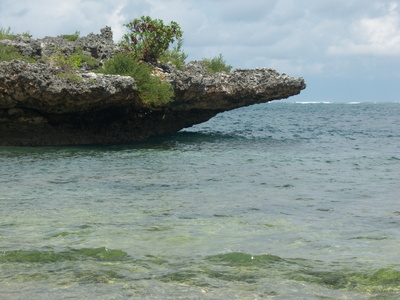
(275, 201)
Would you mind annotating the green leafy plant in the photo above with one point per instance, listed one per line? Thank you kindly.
(8, 53)
(217, 64)
(153, 91)
(176, 56)
(149, 39)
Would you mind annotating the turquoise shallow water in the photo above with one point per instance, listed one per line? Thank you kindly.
(281, 200)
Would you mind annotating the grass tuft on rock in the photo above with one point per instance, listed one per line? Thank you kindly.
(216, 64)
(8, 53)
(153, 90)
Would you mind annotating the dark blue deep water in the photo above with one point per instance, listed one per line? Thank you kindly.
(275, 201)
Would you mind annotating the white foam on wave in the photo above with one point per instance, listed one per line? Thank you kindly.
(313, 102)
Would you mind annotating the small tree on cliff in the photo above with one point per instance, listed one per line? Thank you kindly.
(148, 39)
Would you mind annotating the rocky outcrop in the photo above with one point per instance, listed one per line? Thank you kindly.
(96, 45)
(225, 91)
(45, 105)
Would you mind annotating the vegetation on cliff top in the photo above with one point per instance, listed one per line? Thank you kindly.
(148, 39)
(175, 56)
(7, 34)
(153, 91)
(9, 53)
(74, 62)
(217, 64)
(147, 42)
(71, 37)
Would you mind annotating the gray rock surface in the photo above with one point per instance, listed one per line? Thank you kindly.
(45, 105)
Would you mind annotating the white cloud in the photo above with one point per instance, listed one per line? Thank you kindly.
(252, 12)
(373, 36)
(50, 18)
(310, 38)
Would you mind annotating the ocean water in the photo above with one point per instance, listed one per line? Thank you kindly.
(275, 201)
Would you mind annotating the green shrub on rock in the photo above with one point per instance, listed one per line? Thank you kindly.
(149, 39)
(217, 64)
(71, 37)
(74, 62)
(153, 91)
(175, 56)
(122, 64)
(8, 53)
(65, 62)
(89, 62)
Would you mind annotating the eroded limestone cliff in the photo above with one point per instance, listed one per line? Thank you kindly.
(40, 107)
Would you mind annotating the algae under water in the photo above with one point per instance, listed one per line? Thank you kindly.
(280, 200)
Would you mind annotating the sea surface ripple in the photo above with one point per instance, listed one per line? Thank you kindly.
(281, 201)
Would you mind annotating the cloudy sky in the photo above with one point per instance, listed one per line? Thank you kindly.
(347, 50)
